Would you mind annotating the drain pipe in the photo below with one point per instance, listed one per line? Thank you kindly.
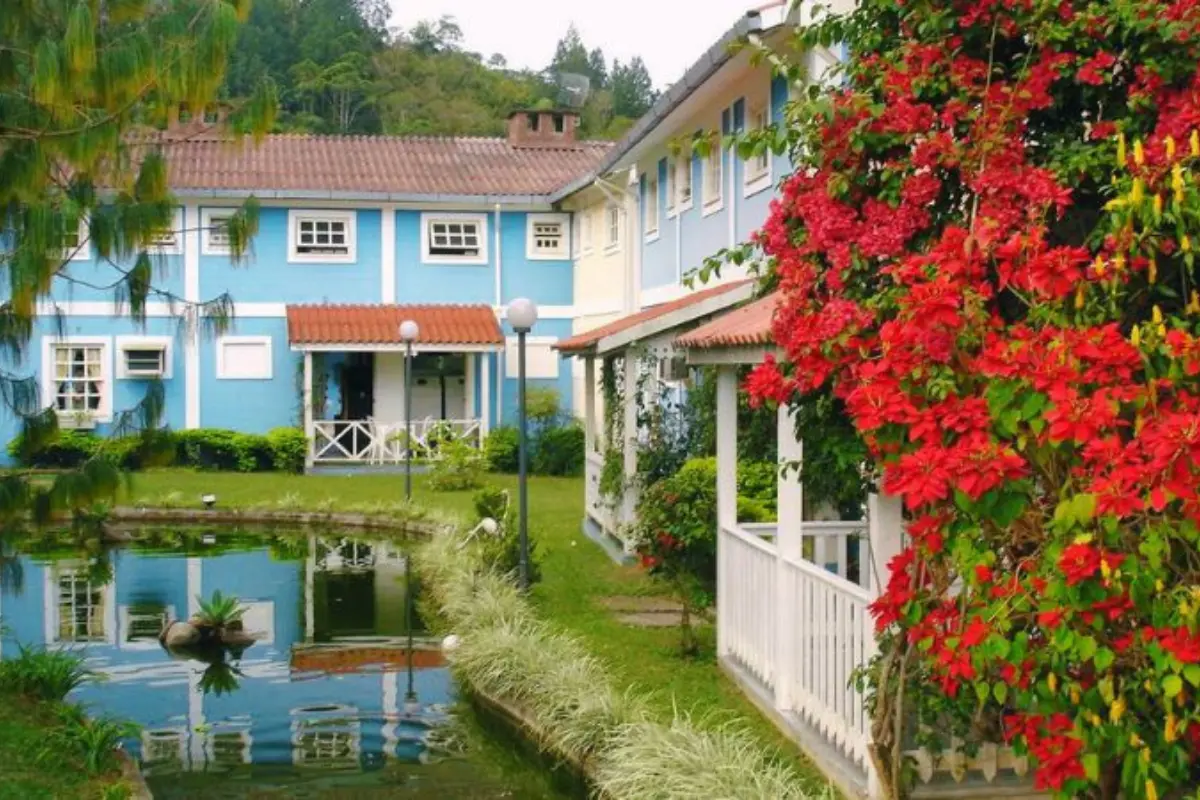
(500, 357)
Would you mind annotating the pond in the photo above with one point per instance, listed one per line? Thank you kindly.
(343, 693)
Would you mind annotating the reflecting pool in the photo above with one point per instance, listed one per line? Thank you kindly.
(342, 694)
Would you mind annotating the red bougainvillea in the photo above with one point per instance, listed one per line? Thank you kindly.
(986, 257)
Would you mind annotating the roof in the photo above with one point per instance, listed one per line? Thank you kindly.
(398, 167)
(339, 660)
(706, 301)
(378, 326)
(747, 326)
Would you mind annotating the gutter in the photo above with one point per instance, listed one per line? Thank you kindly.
(381, 197)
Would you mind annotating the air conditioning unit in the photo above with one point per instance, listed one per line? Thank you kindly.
(673, 369)
(145, 362)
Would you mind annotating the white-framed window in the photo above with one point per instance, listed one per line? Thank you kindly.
(683, 182)
(541, 359)
(245, 358)
(587, 231)
(80, 610)
(672, 190)
(546, 237)
(77, 379)
(322, 237)
(75, 243)
(141, 624)
(758, 166)
(170, 241)
(650, 215)
(713, 176)
(454, 238)
(214, 234)
(612, 228)
(143, 357)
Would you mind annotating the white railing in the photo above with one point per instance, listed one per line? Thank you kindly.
(597, 507)
(826, 544)
(746, 602)
(375, 442)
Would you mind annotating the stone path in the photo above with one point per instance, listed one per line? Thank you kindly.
(643, 612)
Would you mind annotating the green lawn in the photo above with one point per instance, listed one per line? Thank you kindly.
(575, 573)
(30, 771)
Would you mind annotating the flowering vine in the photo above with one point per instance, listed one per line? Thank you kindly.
(986, 255)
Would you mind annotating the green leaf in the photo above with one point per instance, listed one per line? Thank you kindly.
(1000, 690)
(1008, 508)
(1103, 659)
(1086, 647)
(1084, 507)
(1192, 673)
(1172, 686)
(1091, 766)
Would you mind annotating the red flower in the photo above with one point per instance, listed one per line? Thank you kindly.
(1182, 644)
(1092, 72)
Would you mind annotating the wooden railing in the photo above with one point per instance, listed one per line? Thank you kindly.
(376, 442)
(746, 604)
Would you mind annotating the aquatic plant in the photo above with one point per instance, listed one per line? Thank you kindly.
(219, 611)
(43, 674)
(220, 678)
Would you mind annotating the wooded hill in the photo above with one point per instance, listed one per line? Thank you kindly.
(339, 69)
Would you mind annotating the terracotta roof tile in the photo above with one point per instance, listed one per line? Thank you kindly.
(585, 341)
(743, 327)
(376, 164)
(380, 324)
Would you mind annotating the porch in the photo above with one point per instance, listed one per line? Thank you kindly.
(353, 380)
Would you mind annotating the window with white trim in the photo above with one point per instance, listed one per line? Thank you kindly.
(454, 238)
(214, 235)
(75, 243)
(541, 359)
(81, 606)
(546, 237)
(170, 241)
(142, 623)
(321, 236)
(587, 231)
(758, 165)
(672, 190)
(143, 357)
(683, 182)
(612, 238)
(244, 358)
(651, 206)
(713, 173)
(79, 385)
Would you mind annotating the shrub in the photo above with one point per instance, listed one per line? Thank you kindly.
(460, 468)
(96, 741)
(542, 406)
(214, 448)
(67, 450)
(758, 481)
(502, 552)
(289, 449)
(560, 450)
(751, 510)
(42, 674)
(501, 449)
(492, 502)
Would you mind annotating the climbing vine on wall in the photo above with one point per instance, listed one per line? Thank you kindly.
(612, 477)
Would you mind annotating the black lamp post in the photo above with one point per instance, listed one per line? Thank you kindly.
(522, 315)
(408, 334)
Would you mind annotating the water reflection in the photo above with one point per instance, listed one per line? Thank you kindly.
(340, 678)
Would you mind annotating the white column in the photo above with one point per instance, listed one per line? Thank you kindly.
(310, 581)
(885, 533)
(387, 257)
(308, 409)
(391, 713)
(197, 757)
(727, 404)
(630, 364)
(589, 404)
(485, 394)
(789, 546)
(469, 380)
(191, 294)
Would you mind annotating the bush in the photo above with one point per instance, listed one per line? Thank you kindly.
(500, 449)
(460, 468)
(560, 450)
(502, 552)
(758, 481)
(542, 407)
(214, 448)
(43, 674)
(68, 450)
(289, 449)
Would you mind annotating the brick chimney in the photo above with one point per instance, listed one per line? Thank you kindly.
(542, 128)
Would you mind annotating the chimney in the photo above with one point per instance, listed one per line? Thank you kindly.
(542, 128)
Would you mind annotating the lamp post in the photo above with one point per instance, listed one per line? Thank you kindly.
(522, 314)
(408, 334)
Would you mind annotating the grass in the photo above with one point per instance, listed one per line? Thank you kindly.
(575, 574)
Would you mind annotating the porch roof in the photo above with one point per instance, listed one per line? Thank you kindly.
(658, 319)
(743, 335)
(452, 328)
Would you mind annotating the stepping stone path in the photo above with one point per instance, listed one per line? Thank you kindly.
(643, 612)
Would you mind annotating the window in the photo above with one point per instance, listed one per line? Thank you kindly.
(546, 237)
(244, 358)
(758, 166)
(612, 239)
(321, 237)
(683, 182)
(713, 175)
(75, 245)
(141, 624)
(81, 608)
(170, 241)
(215, 233)
(541, 360)
(651, 207)
(143, 357)
(587, 232)
(76, 380)
(672, 191)
(459, 238)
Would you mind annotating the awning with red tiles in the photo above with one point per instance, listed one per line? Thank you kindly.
(376, 328)
(656, 320)
(743, 335)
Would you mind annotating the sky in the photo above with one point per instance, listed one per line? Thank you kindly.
(669, 35)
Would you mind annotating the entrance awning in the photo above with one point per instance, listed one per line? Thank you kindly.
(376, 328)
(741, 336)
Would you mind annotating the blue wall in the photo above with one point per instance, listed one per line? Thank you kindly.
(252, 406)
(419, 282)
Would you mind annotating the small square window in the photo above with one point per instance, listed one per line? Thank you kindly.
(144, 362)
(244, 358)
(455, 239)
(170, 241)
(321, 236)
(215, 233)
(714, 163)
(651, 201)
(613, 230)
(547, 237)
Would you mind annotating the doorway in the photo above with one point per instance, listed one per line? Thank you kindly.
(358, 393)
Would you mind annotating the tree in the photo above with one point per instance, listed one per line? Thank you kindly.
(570, 55)
(81, 91)
(632, 88)
(986, 256)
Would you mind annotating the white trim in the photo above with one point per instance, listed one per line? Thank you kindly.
(191, 292)
(49, 393)
(83, 250)
(714, 203)
(612, 246)
(722, 356)
(180, 232)
(753, 183)
(123, 624)
(164, 343)
(394, 348)
(686, 163)
(587, 231)
(387, 260)
(348, 218)
(262, 340)
(207, 248)
(429, 218)
(564, 221)
(651, 201)
(107, 308)
(485, 394)
(51, 575)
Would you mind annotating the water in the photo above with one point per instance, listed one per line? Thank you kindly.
(330, 701)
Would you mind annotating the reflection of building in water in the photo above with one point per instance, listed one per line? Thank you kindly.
(227, 744)
(326, 737)
(78, 609)
(164, 751)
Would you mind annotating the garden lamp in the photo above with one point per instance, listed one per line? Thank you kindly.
(408, 334)
(522, 315)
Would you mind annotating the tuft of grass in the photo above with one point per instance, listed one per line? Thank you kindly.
(48, 675)
(95, 741)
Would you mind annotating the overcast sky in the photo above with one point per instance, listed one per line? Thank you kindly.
(668, 34)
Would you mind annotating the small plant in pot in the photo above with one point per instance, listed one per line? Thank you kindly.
(218, 623)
